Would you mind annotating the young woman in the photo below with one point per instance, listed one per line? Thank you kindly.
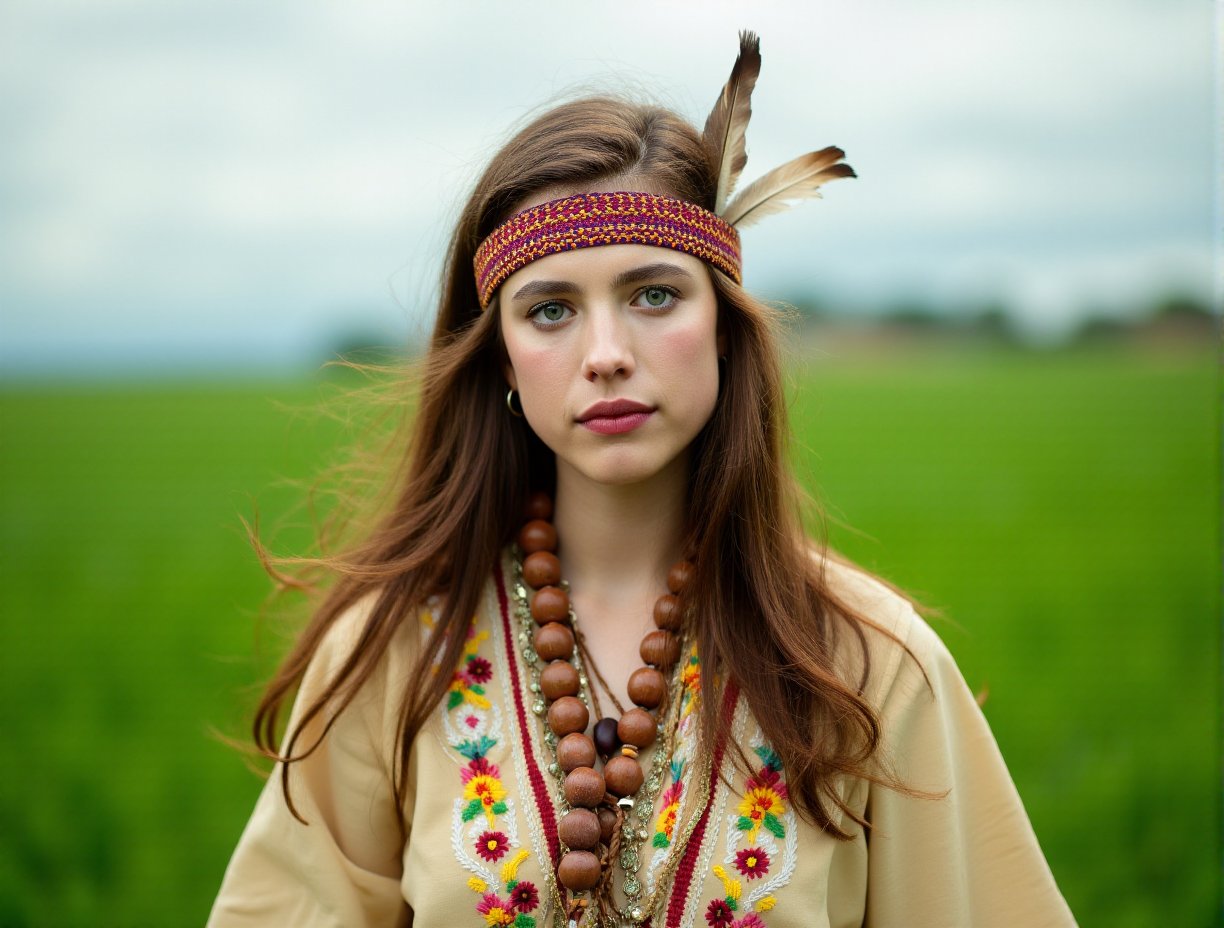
(588, 669)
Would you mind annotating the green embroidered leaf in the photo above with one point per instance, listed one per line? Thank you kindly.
(524, 921)
(477, 688)
(776, 828)
(677, 769)
(454, 699)
(499, 808)
(471, 810)
(474, 749)
(660, 840)
(510, 884)
(732, 903)
(744, 823)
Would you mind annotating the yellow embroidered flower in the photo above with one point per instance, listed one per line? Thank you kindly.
(498, 916)
(760, 805)
(667, 819)
(488, 791)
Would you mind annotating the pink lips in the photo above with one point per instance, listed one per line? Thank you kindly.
(615, 417)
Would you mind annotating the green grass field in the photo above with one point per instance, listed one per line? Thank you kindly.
(1060, 510)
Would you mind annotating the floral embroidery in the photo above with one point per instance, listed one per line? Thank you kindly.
(484, 826)
(521, 897)
(492, 845)
(763, 803)
(761, 820)
(752, 862)
(690, 692)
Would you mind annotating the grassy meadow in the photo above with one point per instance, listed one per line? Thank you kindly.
(1060, 510)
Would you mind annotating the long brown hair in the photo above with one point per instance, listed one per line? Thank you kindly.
(766, 619)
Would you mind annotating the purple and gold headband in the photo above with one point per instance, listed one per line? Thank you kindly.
(586, 220)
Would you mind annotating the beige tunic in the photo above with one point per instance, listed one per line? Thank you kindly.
(481, 813)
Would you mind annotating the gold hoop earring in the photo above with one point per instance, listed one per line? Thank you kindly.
(517, 413)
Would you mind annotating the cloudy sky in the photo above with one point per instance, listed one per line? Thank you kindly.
(213, 183)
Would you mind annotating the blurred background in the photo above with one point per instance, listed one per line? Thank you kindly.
(1003, 375)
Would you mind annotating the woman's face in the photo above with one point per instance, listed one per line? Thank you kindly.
(614, 352)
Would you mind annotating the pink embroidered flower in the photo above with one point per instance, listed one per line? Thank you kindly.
(479, 767)
(496, 911)
(719, 914)
(492, 845)
(524, 896)
(673, 792)
(751, 920)
(479, 670)
(752, 862)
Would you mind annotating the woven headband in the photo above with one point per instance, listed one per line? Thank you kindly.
(586, 220)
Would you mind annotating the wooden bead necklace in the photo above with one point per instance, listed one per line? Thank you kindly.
(598, 802)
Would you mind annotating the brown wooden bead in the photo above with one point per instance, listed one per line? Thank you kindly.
(647, 687)
(537, 535)
(584, 787)
(550, 604)
(680, 576)
(578, 871)
(539, 506)
(559, 679)
(637, 727)
(623, 775)
(554, 641)
(568, 714)
(575, 750)
(541, 569)
(660, 648)
(667, 612)
(607, 824)
(579, 829)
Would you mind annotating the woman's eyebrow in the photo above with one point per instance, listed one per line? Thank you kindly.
(631, 276)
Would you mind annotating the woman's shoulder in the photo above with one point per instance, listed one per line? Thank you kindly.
(898, 644)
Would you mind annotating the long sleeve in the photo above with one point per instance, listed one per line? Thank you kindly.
(969, 858)
(343, 868)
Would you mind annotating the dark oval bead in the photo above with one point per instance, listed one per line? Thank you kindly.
(550, 604)
(606, 739)
(667, 612)
(539, 506)
(575, 750)
(680, 576)
(622, 775)
(568, 714)
(541, 569)
(579, 829)
(578, 871)
(537, 535)
(607, 824)
(660, 648)
(559, 679)
(553, 641)
(584, 787)
(647, 687)
(637, 727)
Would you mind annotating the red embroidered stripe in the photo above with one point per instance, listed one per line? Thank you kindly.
(539, 788)
(684, 872)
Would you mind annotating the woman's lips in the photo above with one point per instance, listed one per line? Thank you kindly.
(616, 425)
(615, 417)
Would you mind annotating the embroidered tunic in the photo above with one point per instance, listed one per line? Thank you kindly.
(481, 813)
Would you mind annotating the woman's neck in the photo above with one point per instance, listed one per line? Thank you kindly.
(617, 542)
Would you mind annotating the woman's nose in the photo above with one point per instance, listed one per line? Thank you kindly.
(609, 349)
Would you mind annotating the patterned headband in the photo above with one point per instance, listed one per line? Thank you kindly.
(586, 220)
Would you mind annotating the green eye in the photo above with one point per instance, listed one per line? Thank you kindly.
(656, 296)
(553, 312)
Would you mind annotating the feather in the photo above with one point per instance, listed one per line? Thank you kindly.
(799, 178)
(727, 123)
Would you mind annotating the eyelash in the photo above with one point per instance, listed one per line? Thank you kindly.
(539, 307)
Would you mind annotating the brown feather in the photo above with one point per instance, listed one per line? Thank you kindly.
(727, 123)
(799, 178)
